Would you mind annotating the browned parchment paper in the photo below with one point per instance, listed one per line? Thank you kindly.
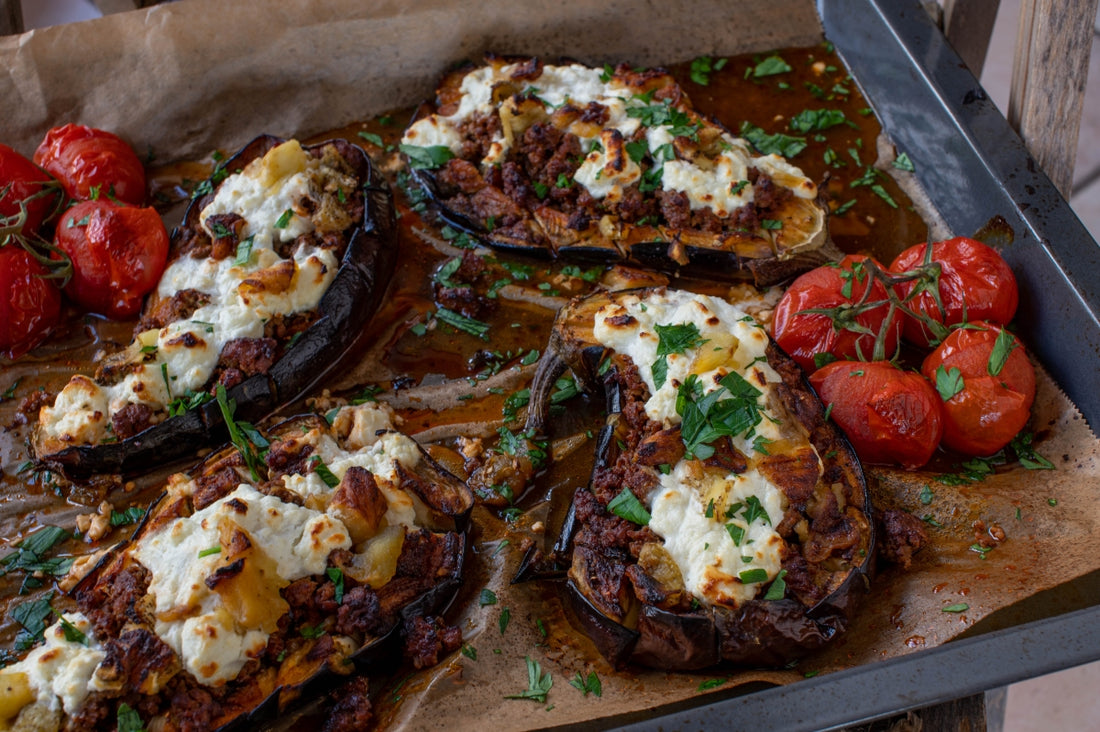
(182, 79)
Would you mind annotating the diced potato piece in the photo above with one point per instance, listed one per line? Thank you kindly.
(282, 161)
(378, 563)
(15, 693)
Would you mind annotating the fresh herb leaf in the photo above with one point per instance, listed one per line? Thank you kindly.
(444, 274)
(312, 631)
(902, 162)
(770, 66)
(1002, 348)
(778, 587)
(926, 495)
(737, 533)
(72, 633)
(812, 120)
(538, 683)
(753, 576)
(9, 393)
(487, 597)
(673, 339)
(771, 224)
(284, 219)
(426, 158)
(705, 419)
(779, 144)
(627, 506)
(372, 138)
(128, 720)
(711, 684)
(210, 551)
(469, 652)
(248, 441)
(702, 67)
(32, 616)
(505, 618)
(590, 685)
(131, 515)
(336, 575)
(462, 323)
(323, 472)
(949, 382)
(958, 607)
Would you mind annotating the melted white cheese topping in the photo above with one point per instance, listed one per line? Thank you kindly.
(720, 183)
(60, 671)
(286, 542)
(711, 561)
(243, 297)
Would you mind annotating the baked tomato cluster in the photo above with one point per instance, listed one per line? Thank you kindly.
(951, 300)
(74, 218)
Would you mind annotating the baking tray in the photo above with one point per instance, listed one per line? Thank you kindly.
(982, 171)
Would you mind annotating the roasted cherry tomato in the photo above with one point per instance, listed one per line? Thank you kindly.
(118, 254)
(975, 283)
(30, 305)
(890, 415)
(83, 158)
(987, 385)
(849, 330)
(22, 180)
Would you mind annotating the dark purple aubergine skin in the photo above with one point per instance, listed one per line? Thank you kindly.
(346, 307)
(449, 501)
(760, 633)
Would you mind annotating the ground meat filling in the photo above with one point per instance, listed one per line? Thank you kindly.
(538, 171)
(818, 531)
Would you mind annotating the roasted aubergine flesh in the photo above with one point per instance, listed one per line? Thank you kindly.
(726, 519)
(254, 579)
(603, 166)
(273, 272)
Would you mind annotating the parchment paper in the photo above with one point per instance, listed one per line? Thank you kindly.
(182, 79)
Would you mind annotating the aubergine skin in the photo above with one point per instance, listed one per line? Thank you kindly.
(348, 304)
(522, 224)
(626, 629)
(427, 592)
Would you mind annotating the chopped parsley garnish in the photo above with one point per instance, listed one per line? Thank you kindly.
(462, 323)
(902, 162)
(753, 576)
(244, 251)
(958, 607)
(949, 382)
(323, 472)
(9, 393)
(778, 587)
(755, 510)
(844, 207)
(881, 193)
(926, 495)
(30, 557)
(131, 515)
(469, 652)
(128, 720)
(589, 685)
(72, 633)
(673, 339)
(1002, 348)
(426, 158)
(284, 219)
(505, 618)
(444, 274)
(711, 684)
(336, 575)
(627, 506)
(186, 402)
(770, 66)
(812, 120)
(312, 631)
(210, 551)
(538, 683)
(702, 67)
(780, 144)
(515, 401)
(663, 114)
(32, 616)
(246, 438)
(487, 597)
(736, 533)
(705, 419)
(372, 138)
(771, 224)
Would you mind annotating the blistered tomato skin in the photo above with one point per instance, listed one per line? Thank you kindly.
(989, 409)
(890, 416)
(30, 304)
(22, 180)
(118, 254)
(84, 158)
(975, 283)
(803, 335)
